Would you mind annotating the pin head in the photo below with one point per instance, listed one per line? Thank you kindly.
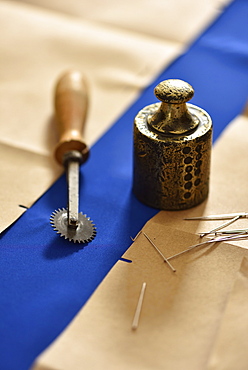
(173, 116)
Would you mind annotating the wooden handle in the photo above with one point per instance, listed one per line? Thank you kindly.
(71, 103)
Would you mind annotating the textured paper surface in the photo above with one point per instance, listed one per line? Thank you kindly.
(143, 16)
(119, 53)
(116, 63)
(180, 313)
(183, 311)
(231, 348)
(25, 175)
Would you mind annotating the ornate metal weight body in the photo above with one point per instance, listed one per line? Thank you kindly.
(172, 149)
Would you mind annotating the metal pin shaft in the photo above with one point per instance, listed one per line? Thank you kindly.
(224, 216)
(161, 254)
(221, 226)
(135, 322)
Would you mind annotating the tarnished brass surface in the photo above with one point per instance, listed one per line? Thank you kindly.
(172, 154)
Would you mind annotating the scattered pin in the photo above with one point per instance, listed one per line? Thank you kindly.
(234, 231)
(133, 239)
(224, 216)
(222, 226)
(161, 254)
(154, 245)
(135, 322)
(223, 236)
(192, 247)
(219, 239)
(239, 236)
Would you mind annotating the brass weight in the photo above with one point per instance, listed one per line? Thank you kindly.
(172, 149)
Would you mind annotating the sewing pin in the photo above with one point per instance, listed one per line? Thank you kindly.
(135, 322)
(215, 240)
(192, 247)
(239, 236)
(234, 231)
(221, 226)
(161, 254)
(224, 216)
(133, 239)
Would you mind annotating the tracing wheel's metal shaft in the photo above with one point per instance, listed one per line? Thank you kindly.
(72, 162)
(73, 188)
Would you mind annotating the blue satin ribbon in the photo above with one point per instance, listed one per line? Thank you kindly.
(45, 280)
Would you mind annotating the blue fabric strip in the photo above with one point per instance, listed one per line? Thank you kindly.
(45, 280)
